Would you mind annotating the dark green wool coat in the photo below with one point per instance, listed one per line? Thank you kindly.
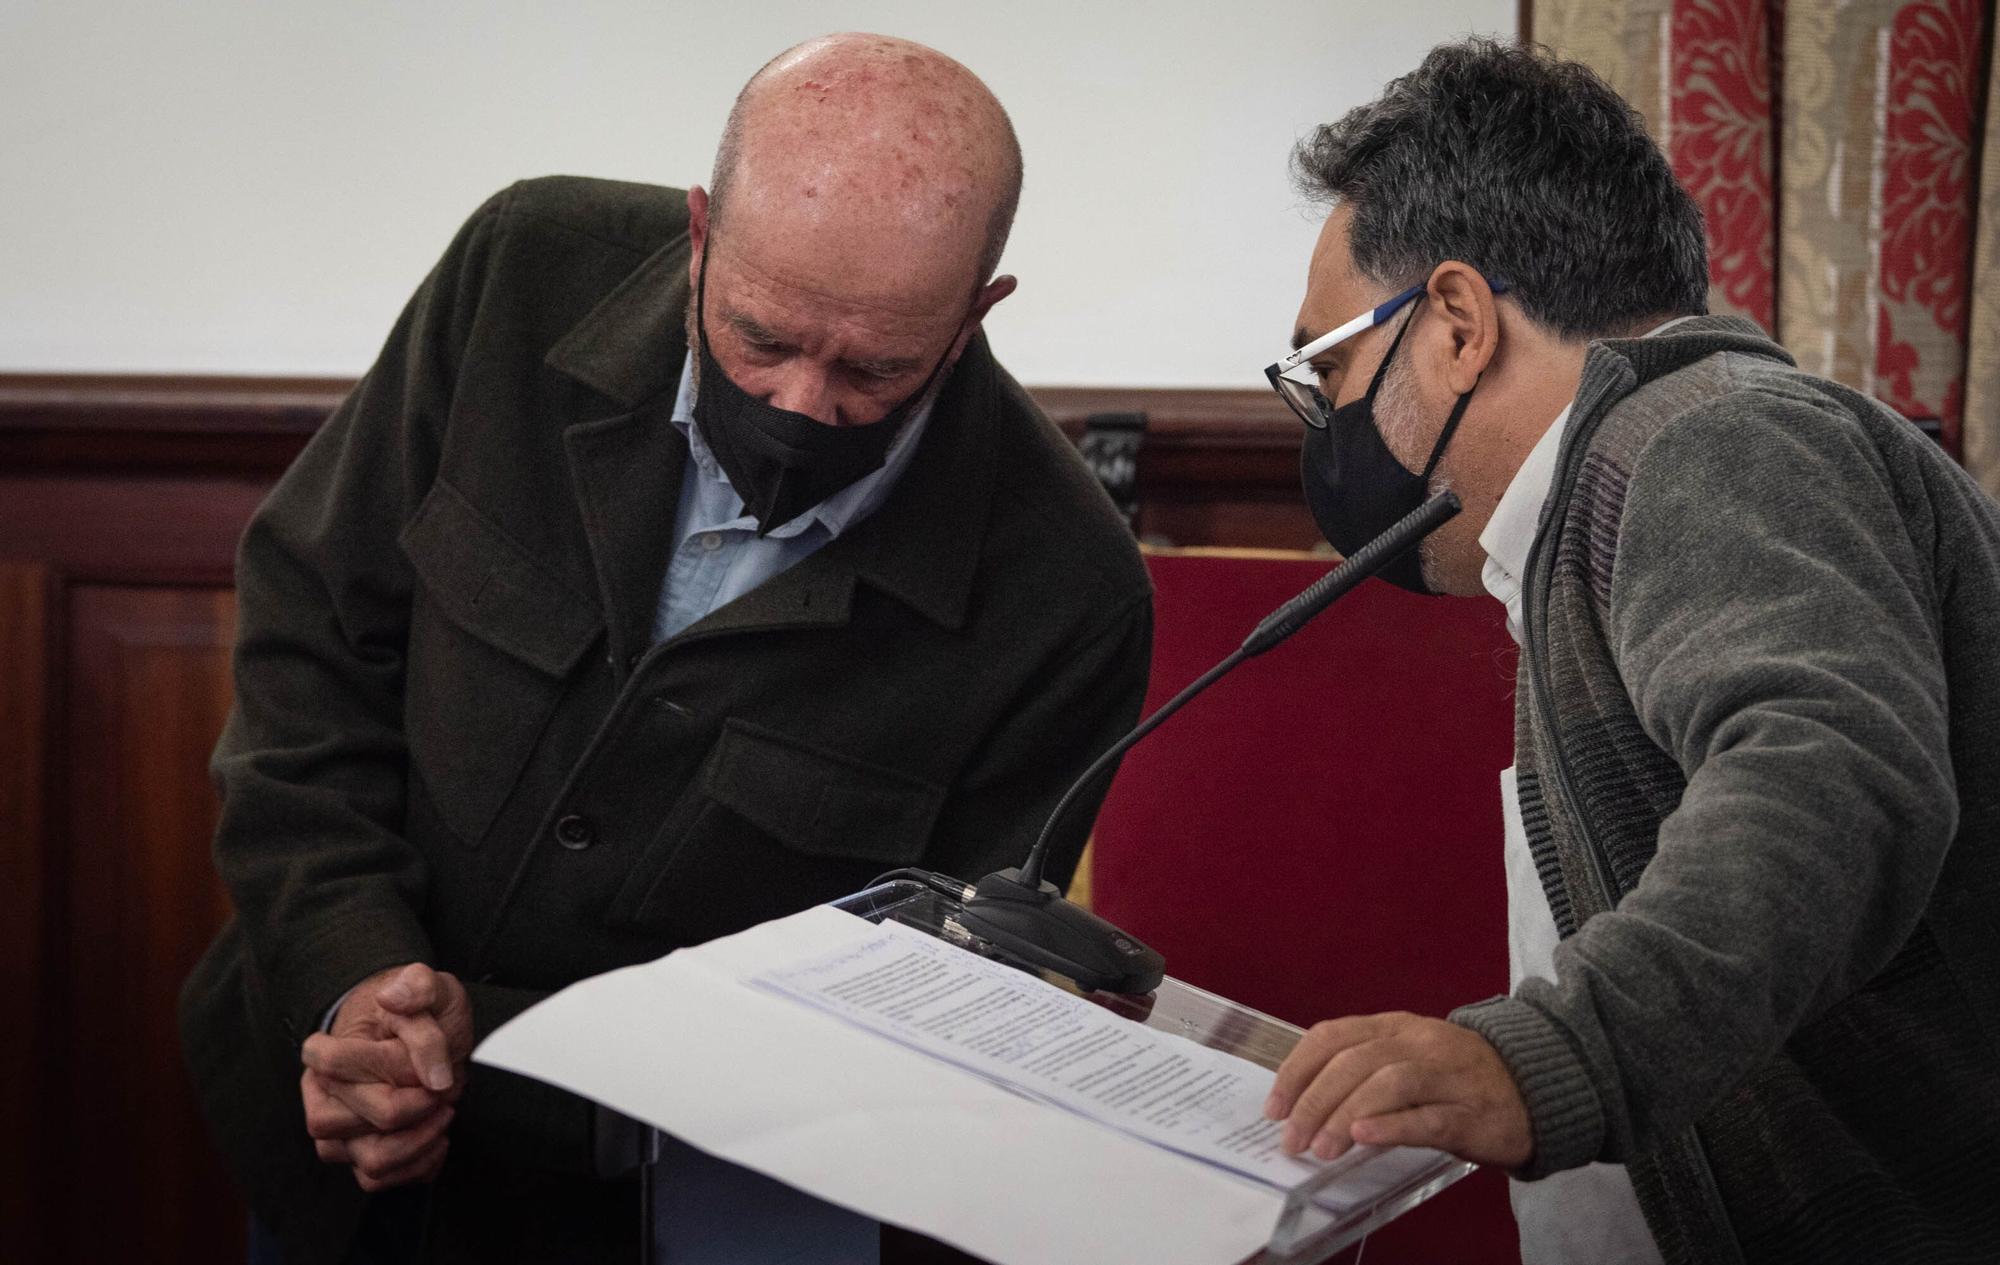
(454, 740)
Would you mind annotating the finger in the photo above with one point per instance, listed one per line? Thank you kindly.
(423, 1168)
(428, 1051)
(1341, 1076)
(359, 1060)
(1475, 1113)
(326, 1116)
(332, 1152)
(1391, 1087)
(410, 990)
(1433, 1124)
(381, 1154)
(454, 1015)
(1321, 1042)
(386, 1109)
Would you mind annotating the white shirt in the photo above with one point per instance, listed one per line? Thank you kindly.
(1589, 1215)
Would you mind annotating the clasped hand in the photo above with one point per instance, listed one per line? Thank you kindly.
(1400, 1080)
(381, 1085)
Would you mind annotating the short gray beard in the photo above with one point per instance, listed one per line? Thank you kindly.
(1402, 429)
(1396, 418)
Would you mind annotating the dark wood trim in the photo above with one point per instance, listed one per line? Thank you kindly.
(1201, 444)
(1197, 439)
(169, 401)
(28, 683)
(160, 424)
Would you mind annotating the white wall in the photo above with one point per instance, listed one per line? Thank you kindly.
(237, 186)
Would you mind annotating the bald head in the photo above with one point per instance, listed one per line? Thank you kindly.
(873, 142)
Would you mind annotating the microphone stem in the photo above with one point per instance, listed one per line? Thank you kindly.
(1276, 627)
(1031, 869)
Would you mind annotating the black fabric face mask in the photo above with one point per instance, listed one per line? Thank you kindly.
(780, 462)
(1355, 486)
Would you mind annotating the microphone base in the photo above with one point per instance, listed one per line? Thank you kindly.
(1037, 926)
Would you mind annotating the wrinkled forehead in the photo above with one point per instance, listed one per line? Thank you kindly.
(812, 230)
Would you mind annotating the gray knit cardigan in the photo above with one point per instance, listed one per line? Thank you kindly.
(1758, 756)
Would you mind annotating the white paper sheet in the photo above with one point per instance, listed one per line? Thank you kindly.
(1028, 1035)
(803, 1097)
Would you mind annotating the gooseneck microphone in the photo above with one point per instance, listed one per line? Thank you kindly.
(1019, 912)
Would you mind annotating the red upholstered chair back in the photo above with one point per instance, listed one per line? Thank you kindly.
(1320, 833)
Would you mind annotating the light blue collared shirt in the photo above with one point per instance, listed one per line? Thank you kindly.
(718, 556)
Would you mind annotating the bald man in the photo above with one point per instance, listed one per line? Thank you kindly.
(685, 559)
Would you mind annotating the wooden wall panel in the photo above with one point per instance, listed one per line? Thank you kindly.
(149, 678)
(151, 529)
(121, 500)
(24, 718)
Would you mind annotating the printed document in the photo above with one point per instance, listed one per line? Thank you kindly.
(808, 1096)
(1031, 1036)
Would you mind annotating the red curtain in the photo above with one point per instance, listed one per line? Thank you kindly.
(1835, 148)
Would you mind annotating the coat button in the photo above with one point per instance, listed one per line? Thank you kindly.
(575, 832)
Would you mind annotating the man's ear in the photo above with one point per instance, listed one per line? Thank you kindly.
(697, 228)
(1461, 295)
(982, 303)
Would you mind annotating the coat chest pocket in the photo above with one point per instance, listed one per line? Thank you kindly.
(493, 634)
(772, 825)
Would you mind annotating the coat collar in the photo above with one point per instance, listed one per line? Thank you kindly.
(630, 347)
(921, 547)
(1616, 366)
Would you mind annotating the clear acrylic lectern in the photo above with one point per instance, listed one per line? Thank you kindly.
(686, 1190)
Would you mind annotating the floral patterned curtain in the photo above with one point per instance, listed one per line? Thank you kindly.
(1846, 158)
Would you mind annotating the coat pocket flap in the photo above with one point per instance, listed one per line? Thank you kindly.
(820, 803)
(495, 589)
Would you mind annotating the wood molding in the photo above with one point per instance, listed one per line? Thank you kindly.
(192, 422)
(148, 690)
(27, 683)
(1218, 466)
(160, 423)
(1201, 443)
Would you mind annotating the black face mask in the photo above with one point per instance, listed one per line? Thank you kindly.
(1355, 486)
(780, 462)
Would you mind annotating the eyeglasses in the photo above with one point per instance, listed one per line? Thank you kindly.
(1305, 398)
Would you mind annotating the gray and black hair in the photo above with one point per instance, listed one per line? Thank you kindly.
(1525, 166)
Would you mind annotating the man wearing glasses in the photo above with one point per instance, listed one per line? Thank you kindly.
(1753, 827)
